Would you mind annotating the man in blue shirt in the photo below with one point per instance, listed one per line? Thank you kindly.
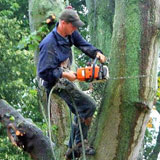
(54, 58)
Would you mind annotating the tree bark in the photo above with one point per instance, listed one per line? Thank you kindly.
(24, 134)
(130, 91)
(39, 10)
(100, 19)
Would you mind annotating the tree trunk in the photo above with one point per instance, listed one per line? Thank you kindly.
(39, 11)
(130, 91)
(100, 19)
(24, 134)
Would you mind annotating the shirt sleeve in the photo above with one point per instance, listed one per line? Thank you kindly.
(48, 64)
(84, 46)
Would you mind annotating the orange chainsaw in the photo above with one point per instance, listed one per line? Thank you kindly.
(93, 72)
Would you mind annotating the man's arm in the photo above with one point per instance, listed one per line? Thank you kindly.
(48, 64)
(71, 76)
(87, 48)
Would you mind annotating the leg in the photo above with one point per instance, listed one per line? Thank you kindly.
(75, 132)
(81, 104)
(78, 102)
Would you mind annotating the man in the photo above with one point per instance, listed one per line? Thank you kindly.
(55, 56)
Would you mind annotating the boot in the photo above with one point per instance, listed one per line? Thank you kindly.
(73, 152)
(77, 150)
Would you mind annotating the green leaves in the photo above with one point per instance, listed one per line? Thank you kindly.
(12, 118)
(17, 70)
(15, 6)
(32, 41)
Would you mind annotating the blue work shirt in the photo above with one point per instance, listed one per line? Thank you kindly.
(55, 49)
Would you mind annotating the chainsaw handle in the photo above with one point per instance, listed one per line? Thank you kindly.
(95, 60)
(93, 69)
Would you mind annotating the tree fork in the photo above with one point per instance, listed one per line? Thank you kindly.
(24, 134)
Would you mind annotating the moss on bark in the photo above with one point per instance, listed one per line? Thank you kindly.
(124, 112)
(39, 10)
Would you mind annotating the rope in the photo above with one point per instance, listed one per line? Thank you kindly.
(80, 128)
(43, 113)
(72, 135)
(49, 121)
(79, 123)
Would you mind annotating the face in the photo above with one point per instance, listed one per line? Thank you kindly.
(68, 28)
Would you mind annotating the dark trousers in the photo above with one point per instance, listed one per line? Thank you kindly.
(79, 103)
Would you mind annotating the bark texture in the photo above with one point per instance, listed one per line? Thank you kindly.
(39, 10)
(100, 18)
(24, 134)
(60, 117)
(130, 91)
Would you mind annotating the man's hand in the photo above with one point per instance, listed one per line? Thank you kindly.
(71, 76)
(101, 57)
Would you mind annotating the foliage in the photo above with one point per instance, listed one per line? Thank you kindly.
(17, 73)
(150, 139)
(149, 142)
(158, 95)
(10, 9)
(31, 41)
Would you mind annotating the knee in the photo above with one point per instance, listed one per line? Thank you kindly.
(89, 114)
(88, 121)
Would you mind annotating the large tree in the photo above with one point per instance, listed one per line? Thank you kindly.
(130, 91)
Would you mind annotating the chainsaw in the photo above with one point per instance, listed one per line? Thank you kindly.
(93, 72)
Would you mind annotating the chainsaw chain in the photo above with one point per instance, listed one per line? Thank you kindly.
(129, 77)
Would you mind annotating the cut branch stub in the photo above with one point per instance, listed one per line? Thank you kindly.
(16, 136)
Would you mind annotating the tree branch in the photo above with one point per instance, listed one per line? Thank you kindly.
(25, 134)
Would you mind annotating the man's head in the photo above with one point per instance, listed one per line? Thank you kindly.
(71, 16)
